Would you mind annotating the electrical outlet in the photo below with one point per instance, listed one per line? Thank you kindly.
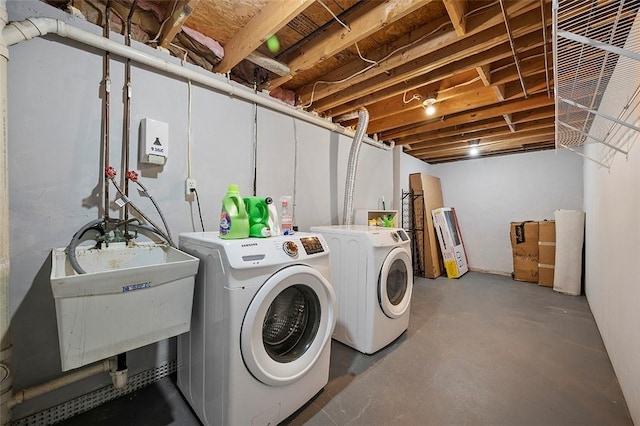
(190, 186)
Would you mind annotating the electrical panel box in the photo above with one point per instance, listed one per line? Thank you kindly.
(154, 141)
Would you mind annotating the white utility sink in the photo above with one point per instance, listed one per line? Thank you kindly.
(129, 297)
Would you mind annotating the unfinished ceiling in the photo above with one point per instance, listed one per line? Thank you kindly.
(485, 66)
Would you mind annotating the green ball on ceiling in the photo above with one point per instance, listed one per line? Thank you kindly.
(273, 44)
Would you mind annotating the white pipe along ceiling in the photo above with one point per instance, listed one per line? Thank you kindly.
(30, 28)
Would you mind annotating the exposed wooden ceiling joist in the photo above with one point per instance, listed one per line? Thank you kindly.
(383, 14)
(173, 24)
(457, 51)
(271, 18)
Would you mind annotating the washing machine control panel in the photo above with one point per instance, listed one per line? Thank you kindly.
(312, 245)
(291, 248)
(403, 235)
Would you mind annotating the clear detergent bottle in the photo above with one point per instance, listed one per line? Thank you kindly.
(234, 221)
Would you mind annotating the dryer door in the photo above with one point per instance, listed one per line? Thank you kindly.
(287, 325)
(395, 283)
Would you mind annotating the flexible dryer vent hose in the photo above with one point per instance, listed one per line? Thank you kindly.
(363, 122)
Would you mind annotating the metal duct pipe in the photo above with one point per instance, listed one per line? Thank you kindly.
(35, 27)
(5, 305)
(363, 122)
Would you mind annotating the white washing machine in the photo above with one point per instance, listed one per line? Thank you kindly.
(263, 314)
(373, 279)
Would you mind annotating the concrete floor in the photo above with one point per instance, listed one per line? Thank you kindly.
(481, 350)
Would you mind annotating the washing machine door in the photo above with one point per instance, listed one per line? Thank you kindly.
(287, 325)
(395, 283)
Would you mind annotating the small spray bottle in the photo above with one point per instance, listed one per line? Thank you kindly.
(286, 218)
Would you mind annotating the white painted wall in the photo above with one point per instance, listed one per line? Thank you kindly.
(612, 203)
(488, 194)
(55, 174)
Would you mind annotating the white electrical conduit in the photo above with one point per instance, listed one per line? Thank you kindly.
(30, 28)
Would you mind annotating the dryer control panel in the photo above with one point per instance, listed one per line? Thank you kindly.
(312, 245)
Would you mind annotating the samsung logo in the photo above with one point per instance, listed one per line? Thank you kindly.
(248, 244)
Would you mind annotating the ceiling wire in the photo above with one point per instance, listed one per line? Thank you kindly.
(348, 29)
(367, 68)
(414, 97)
(480, 9)
(155, 39)
(334, 15)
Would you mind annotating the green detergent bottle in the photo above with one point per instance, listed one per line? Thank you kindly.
(258, 213)
(234, 222)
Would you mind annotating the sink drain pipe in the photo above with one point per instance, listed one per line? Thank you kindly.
(110, 366)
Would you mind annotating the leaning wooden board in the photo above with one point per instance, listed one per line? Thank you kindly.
(428, 251)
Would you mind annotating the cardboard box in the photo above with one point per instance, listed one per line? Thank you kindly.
(546, 252)
(524, 242)
(427, 195)
(450, 239)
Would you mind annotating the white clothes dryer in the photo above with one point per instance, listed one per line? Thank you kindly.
(262, 319)
(373, 279)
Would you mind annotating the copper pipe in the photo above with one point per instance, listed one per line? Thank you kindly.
(106, 107)
(127, 111)
(513, 48)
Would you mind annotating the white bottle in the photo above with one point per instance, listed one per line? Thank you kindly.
(286, 219)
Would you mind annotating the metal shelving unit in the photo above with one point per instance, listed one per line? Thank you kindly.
(596, 48)
(408, 224)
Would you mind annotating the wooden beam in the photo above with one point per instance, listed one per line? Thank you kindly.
(498, 143)
(507, 119)
(502, 131)
(267, 63)
(472, 128)
(493, 150)
(269, 20)
(457, 10)
(498, 91)
(485, 74)
(461, 84)
(318, 49)
(533, 102)
(378, 88)
(480, 47)
(480, 97)
(435, 34)
(173, 24)
(446, 89)
(422, 43)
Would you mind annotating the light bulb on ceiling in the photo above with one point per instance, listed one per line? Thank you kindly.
(429, 109)
(474, 150)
